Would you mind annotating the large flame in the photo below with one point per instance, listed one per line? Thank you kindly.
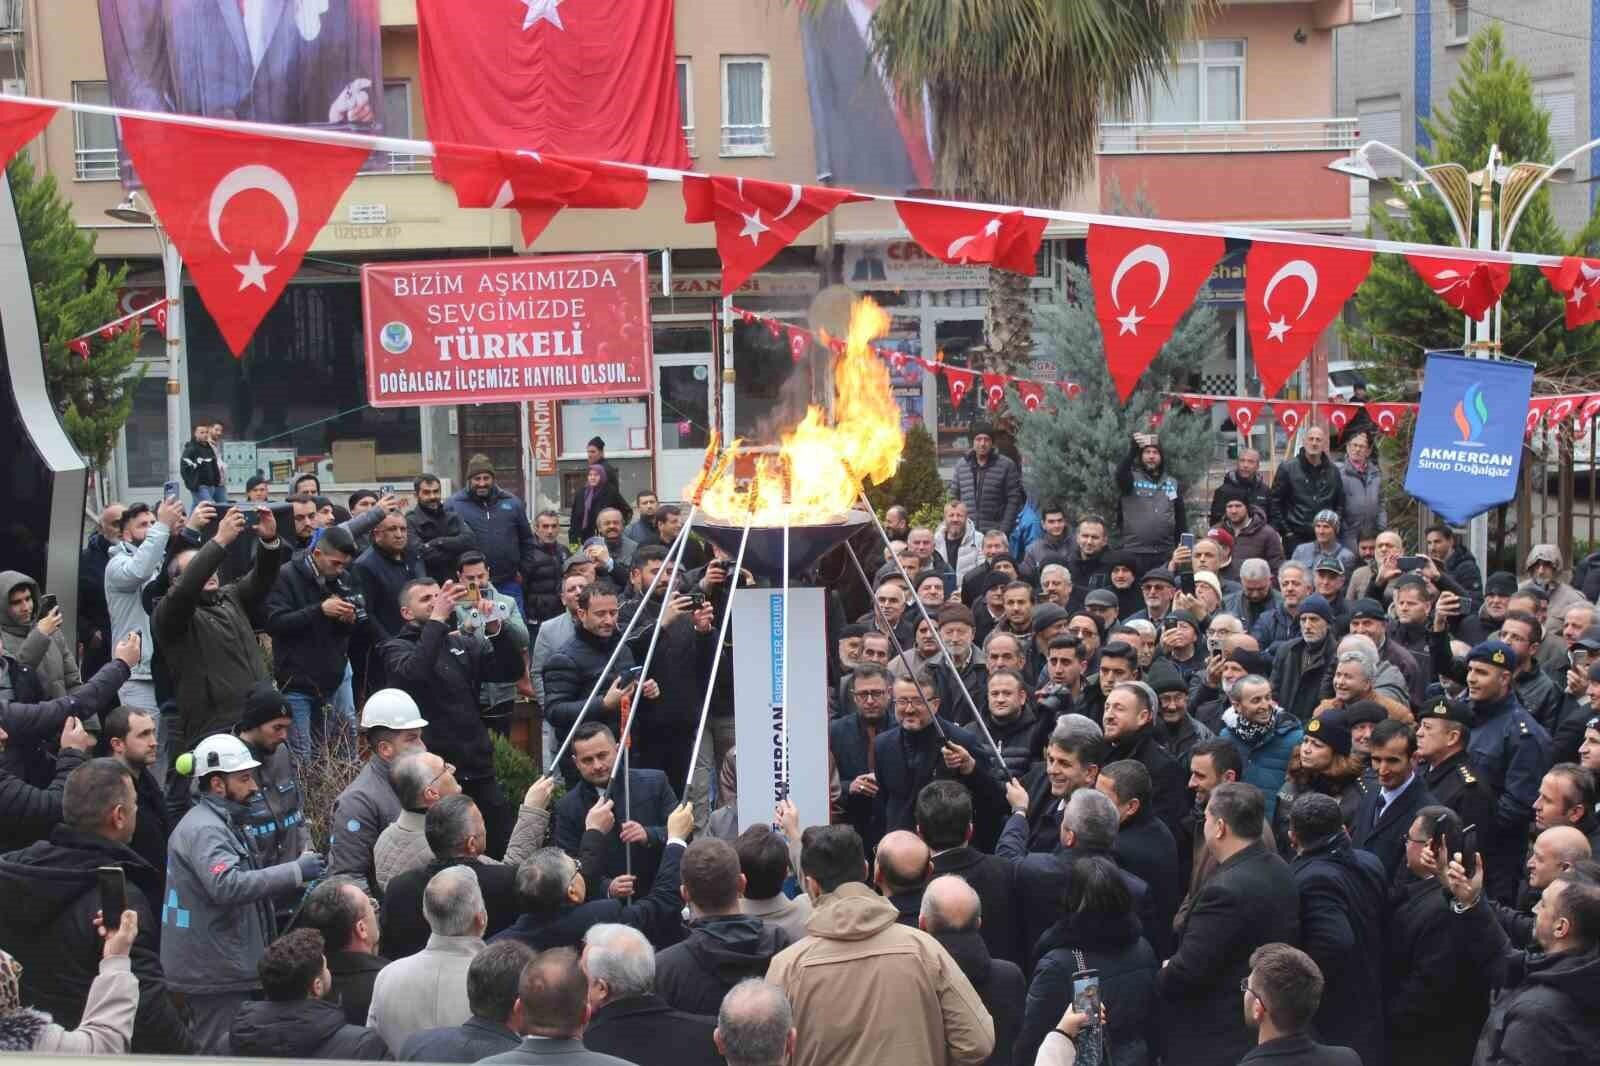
(819, 467)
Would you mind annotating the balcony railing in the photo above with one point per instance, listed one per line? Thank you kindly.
(401, 163)
(747, 140)
(96, 164)
(1271, 135)
(688, 139)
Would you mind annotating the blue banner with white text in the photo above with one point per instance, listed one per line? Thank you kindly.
(1468, 445)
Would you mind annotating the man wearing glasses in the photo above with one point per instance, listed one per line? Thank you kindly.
(851, 739)
(1281, 995)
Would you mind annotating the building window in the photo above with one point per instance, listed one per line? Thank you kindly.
(1556, 98)
(1206, 85)
(1459, 15)
(1379, 120)
(397, 123)
(746, 106)
(1385, 7)
(686, 103)
(94, 137)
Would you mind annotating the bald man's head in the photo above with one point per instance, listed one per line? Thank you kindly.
(904, 863)
(949, 905)
(1567, 843)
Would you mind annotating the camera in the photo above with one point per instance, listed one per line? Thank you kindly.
(355, 599)
(697, 600)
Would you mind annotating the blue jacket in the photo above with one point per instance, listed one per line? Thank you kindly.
(499, 525)
(1266, 763)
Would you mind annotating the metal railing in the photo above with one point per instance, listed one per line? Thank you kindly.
(96, 164)
(688, 139)
(403, 163)
(747, 140)
(1270, 135)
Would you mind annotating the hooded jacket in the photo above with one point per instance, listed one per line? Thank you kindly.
(48, 925)
(1266, 762)
(1300, 490)
(198, 465)
(1548, 1011)
(1252, 490)
(1256, 539)
(867, 990)
(1150, 512)
(104, 1029)
(301, 1029)
(440, 536)
(362, 811)
(51, 658)
(719, 952)
(499, 526)
(1113, 945)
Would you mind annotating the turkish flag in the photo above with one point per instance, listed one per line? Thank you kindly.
(799, 341)
(960, 382)
(1071, 389)
(1561, 409)
(1579, 281)
(1144, 282)
(1194, 402)
(994, 390)
(19, 124)
(755, 219)
(1291, 293)
(596, 79)
(1244, 414)
(81, 346)
(1471, 287)
(1387, 416)
(535, 184)
(1031, 393)
(1006, 239)
(1291, 416)
(1340, 414)
(242, 209)
(1587, 409)
(1538, 408)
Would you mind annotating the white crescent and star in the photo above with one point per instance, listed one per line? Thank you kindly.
(270, 181)
(543, 11)
(1450, 278)
(753, 226)
(1294, 268)
(1156, 256)
(957, 246)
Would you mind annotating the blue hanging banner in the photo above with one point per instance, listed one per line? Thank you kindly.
(1468, 445)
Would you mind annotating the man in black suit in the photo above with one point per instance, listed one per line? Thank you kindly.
(952, 914)
(1281, 994)
(921, 748)
(1251, 900)
(630, 1021)
(643, 833)
(1072, 760)
(1144, 847)
(944, 821)
(850, 740)
(455, 832)
(493, 979)
(1386, 812)
(1343, 894)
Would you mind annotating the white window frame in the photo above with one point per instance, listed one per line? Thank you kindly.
(765, 147)
(1201, 64)
(1458, 28)
(1382, 9)
(1559, 88)
(96, 163)
(401, 163)
(685, 71)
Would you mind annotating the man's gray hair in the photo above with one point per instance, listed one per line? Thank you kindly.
(1093, 819)
(1074, 732)
(543, 879)
(1055, 568)
(1290, 564)
(411, 777)
(1142, 626)
(1368, 669)
(1230, 623)
(452, 901)
(1362, 643)
(1235, 693)
(1254, 569)
(620, 956)
(754, 1023)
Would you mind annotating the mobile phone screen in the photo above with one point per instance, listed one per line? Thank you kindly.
(1187, 540)
(1086, 995)
(113, 885)
(1409, 563)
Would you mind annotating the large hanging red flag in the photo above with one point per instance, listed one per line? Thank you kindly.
(1579, 281)
(755, 219)
(1291, 293)
(241, 208)
(1139, 308)
(19, 124)
(535, 184)
(1470, 286)
(597, 79)
(1006, 239)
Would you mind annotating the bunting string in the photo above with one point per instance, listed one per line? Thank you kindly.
(79, 345)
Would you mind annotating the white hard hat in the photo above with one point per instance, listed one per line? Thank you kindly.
(392, 708)
(222, 753)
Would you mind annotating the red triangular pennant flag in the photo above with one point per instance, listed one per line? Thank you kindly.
(242, 209)
(81, 347)
(19, 124)
(1292, 292)
(1538, 408)
(1244, 414)
(1471, 287)
(994, 390)
(1562, 408)
(1291, 416)
(755, 220)
(1195, 402)
(1587, 409)
(1387, 416)
(1578, 280)
(799, 341)
(960, 382)
(1031, 393)
(1071, 389)
(1144, 282)
(1339, 414)
(1006, 239)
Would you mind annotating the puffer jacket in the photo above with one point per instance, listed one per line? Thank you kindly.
(1266, 762)
(1113, 945)
(301, 1029)
(440, 537)
(48, 654)
(992, 491)
(500, 530)
(361, 812)
(541, 582)
(208, 641)
(1548, 1011)
(569, 675)
(1021, 738)
(1258, 540)
(1363, 502)
(35, 728)
(1300, 490)
(695, 974)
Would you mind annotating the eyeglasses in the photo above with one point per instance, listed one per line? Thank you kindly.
(1244, 986)
(1413, 840)
(901, 705)
(449, 768)
(871, 694)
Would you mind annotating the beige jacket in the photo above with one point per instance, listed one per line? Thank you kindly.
(790, 915)
(427, 990)
(107, 1024)
(402, 845)
(867, 991)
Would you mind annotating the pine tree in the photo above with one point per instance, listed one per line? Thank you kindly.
(1398, 318)
(73, 293)
(1072, 446)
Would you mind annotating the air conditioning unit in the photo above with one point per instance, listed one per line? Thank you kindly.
(13, 86)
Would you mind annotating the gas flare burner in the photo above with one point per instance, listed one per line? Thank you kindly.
(764, 554)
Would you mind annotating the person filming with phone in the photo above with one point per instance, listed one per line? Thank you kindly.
(30, 633)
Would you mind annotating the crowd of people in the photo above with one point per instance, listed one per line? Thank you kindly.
(1263, 787)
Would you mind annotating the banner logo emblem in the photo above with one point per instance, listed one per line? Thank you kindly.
(1471, 415)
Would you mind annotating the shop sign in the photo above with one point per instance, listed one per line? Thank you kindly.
(505, 330)
(542, 431)
(710, 285)
(904, 265)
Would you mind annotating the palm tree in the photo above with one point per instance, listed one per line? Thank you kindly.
(1017, 89)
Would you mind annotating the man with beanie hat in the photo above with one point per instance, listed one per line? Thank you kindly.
(275, 820)
(1324, 543)
(1175, 729)
(1302, 664)
(499, 525)
(989, 483)
(1179, 643)
(1151, 508)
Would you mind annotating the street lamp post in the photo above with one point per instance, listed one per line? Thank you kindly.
(172, 281)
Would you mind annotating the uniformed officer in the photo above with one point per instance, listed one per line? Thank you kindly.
(1443, 729)
(1510, 751)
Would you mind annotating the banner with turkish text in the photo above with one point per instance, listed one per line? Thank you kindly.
(502, 330)
(1467, 448)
